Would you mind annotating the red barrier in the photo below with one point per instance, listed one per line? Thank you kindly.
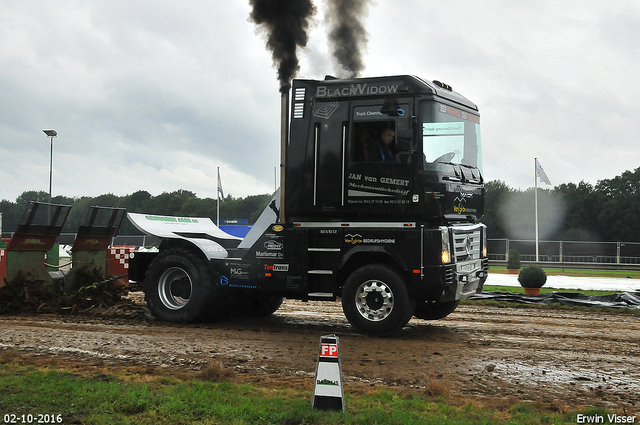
(118, 262)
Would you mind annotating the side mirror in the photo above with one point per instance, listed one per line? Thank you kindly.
(404, 135)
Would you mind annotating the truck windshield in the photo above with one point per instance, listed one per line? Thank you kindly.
(449, 135)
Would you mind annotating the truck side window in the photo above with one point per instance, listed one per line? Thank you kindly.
(374, 141)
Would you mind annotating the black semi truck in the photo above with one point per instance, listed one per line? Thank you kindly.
(380, 207)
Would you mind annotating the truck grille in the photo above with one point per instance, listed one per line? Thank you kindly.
(467, 243)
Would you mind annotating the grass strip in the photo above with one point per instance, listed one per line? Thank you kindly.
(117, 399)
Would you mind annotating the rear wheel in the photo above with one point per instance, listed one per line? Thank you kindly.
(178, 286)
(433, 311)
(375, 300)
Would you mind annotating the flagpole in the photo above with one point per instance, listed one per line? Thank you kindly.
(218, 192)
(535, 179)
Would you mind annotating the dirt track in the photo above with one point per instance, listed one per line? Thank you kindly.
(563, 357)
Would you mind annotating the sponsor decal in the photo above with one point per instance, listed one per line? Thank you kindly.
(464, 193)
(329, 350)
(367, 114)
(277, 267)
(361, 185)
(237, 285)
(378, 241)
(459, 209)
(462, 197)
(377, 201)
(363, 188)
(267, 254)
(383, 180)
(374, 112)
(277, 228)
(273, 245)
(224, 281)
(353, 239)
(356, 239)
(327, 382)
(170, 219)
(239, 273)
(442, 128)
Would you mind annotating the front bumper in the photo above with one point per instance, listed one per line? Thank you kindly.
(464, 279)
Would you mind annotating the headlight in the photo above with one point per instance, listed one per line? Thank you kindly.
(446, 245)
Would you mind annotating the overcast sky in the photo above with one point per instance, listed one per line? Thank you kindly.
(155, 95)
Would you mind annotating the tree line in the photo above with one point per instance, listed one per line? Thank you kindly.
(178, 203)
(606, 211)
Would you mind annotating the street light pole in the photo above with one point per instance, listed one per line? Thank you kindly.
(51, 134)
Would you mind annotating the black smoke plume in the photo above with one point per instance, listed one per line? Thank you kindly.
(286, 23)
(348, 36)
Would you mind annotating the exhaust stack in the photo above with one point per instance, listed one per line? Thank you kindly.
(284, 142)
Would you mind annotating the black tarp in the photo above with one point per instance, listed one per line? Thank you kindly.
(621, 300)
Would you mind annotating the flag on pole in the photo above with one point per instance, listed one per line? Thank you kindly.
(220, 192)
(540, 173)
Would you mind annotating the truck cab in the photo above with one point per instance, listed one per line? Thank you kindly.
(333, 169)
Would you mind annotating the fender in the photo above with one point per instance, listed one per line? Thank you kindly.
(199, 231)
(373, 249)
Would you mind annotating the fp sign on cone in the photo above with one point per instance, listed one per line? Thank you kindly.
(328, 393)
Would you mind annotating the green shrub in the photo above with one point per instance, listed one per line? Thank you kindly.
(513, 260)
(532, 277)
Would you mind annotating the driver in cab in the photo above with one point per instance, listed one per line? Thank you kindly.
(381, 149)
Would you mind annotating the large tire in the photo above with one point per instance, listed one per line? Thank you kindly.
(433, 310)
(178, 286)
(375, 300)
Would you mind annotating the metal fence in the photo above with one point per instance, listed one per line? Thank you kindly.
(567, 251)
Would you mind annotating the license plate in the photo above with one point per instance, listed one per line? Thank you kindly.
(466, 268)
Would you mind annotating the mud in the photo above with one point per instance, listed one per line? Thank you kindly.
(564, 358)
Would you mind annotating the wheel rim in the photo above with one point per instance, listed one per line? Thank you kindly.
(174, 288)
(374, 300)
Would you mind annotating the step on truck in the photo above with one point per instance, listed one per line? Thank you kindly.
(380, 200)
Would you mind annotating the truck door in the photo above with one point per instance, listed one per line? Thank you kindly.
(379, 172)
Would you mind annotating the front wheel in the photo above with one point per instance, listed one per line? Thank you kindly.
(375, 300)
(178, 286)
